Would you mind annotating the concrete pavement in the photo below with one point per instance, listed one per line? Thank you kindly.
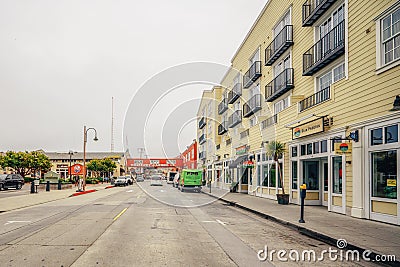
(28, 199)
(360, 234)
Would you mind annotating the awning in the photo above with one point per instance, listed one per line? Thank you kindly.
(237, 161)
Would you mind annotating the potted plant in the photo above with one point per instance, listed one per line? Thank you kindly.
(276, 149)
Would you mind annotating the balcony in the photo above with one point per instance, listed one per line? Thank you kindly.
(252, 106)
(235, 93)
(202, 155)
(280, 85)
(314, 9)
(223, 106)
(202, 123)
(235, 118)
(269, 122)
(223, 128)
(279, 45)
(202, 139)
(329, 48)
(252, 74)
(315, 99)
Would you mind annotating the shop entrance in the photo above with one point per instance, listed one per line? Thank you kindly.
(315, 176)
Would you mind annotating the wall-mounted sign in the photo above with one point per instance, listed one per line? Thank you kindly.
(341, 148)
(241, 150)
(309, 128)
(76, 169)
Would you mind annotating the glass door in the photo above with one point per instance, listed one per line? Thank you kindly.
(311, 177)
(324, 181)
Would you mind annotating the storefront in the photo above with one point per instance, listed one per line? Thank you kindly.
(313, 161)
(381, 167)
(267, 182)
(240, 174)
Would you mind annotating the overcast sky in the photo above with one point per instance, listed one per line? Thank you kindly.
(61, 61)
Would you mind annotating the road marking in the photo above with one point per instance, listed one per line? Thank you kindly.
(162, 190)
(116, 217)
(222, 223)
(10, 222)
(129, 191)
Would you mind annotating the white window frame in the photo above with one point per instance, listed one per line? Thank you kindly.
(281, 102)
(331, 71)
(380, 66)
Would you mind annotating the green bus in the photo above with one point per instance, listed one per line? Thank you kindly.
(191, 180)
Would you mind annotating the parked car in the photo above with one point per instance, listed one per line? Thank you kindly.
(156, 180)
(11, 181)
(191, 180)
(176, 180)
(121, 180)
(139, 178)
(129, 180)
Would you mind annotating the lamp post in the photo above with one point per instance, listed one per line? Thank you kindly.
(84, 151)
(70, 153)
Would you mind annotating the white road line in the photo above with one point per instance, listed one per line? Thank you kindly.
(10, 222)
(129, 191)
(220, 222)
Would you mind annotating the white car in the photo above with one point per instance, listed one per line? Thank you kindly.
(156, 180)
(121, 180)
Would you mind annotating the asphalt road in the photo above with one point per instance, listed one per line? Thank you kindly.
(144, 226)
(26, 189)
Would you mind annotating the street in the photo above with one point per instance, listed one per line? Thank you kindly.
(128, 226)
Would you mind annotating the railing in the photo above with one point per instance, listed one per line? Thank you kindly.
(314, 9)
(235, 118)
(279, 45)
(327, 49)
(252, 106)
(202, 155)
(202, 122)
(252, 74)
(202, 139)
(223, 106)
(269, 122)
(280, 85)
(315, 99)
(222, 128)
(235, 93)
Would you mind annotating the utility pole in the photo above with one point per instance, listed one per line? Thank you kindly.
(112, 124)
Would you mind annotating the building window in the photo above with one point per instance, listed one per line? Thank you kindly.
(281, 105)
(335, 74)
(294, 174)
(384, 174)
(390, 35)
(391, 135)
(272, 175)
(294, 151)
(337, 175)
(253, 121)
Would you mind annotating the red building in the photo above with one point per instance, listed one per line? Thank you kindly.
(189, 156)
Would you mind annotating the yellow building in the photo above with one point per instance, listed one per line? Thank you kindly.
(322, 79)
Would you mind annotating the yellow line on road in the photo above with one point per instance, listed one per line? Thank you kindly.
(116, 217)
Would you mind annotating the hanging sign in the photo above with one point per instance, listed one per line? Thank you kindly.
(309, 128)
(241, 150)
(248, 164)
(341, 148)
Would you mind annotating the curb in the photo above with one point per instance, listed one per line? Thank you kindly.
(307, 232)
(110, 186)
(83, 192)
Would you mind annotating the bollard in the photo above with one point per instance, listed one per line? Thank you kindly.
(59, 185)
(303, 191)
(32, 187)
(48, 186)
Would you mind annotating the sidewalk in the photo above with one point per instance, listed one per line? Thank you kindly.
(27, 200)
(361, 234)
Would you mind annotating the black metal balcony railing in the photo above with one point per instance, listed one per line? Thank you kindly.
(327, 49)
(314, 9)
(315, 99)
(279, 45)
(202, 122)
(252, 74)
(270, 121)
(223, 106)
(252, 106)
(235, 118)
(222, 127)
(235, 93)
(280, 85)
(202, 139)
(202, 155)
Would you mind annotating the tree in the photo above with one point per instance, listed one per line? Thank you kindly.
(276, 149)
(25, 163)
(101, 165)
(108, 165)
(95, 166)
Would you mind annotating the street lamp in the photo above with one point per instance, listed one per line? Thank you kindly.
(84, 151)
(70, 153)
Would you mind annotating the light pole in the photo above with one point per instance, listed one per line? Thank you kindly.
(70, 153)
(84, 152)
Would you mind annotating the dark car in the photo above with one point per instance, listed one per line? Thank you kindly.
(11, 181)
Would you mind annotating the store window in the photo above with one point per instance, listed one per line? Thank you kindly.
(337, 175)
(391, 134)
(310, 174)
(384, 174)
(272, 175)
(265, 174)
(294, 151)
(294, 175)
